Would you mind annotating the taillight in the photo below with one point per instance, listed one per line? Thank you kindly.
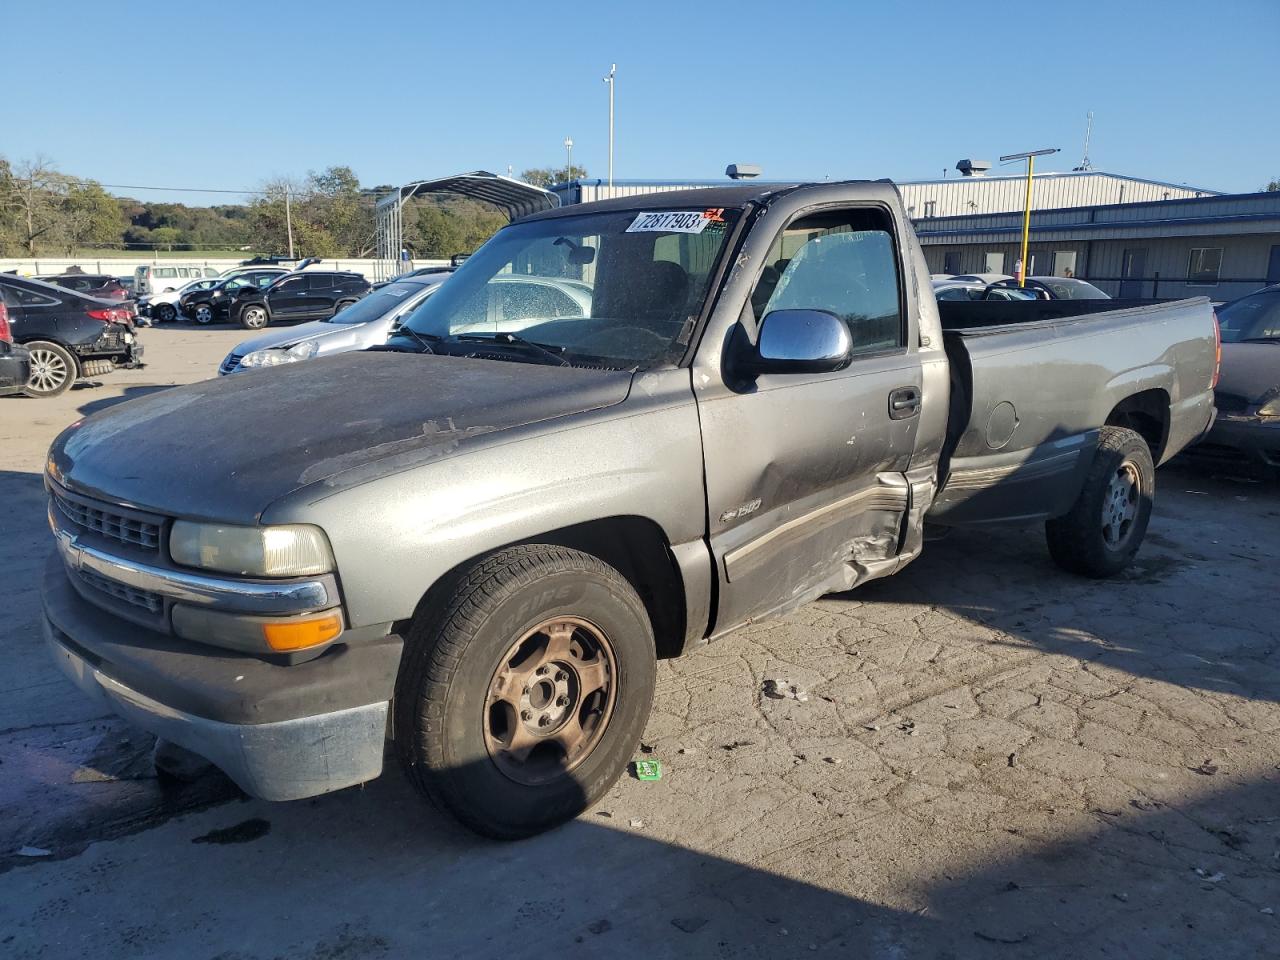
(1217, 352)
(6, 333)
(113, 315)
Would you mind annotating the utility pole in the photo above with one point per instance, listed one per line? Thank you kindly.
(1030, 157)
(288, 219)
(613, 68)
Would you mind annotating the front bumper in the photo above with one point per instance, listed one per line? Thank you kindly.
(280, 732)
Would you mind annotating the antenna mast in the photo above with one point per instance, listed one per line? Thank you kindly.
(1088, 132)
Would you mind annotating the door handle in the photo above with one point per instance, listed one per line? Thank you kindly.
(904, 402)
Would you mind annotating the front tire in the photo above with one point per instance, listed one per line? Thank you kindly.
(254, 317)
(1101, 533)
(202, 314)
(523, 694)
(53, 369)
(165, 313)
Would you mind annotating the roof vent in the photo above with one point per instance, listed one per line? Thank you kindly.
(974, 168)
(743, 171)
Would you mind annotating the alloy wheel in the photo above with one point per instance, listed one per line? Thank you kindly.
(49, 371)
(550, 700)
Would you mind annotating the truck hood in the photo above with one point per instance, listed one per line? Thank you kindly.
(226, 449)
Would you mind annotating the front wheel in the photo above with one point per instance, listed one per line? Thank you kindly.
(522, 696)
(254, 317)
(165, 313)
(1101, 533)
(53, 369)
(202, 314)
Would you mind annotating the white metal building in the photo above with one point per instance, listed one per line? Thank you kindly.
(949, 197)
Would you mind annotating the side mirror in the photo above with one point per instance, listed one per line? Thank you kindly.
(801, 341)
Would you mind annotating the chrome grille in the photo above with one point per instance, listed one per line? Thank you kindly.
(231, 362)
(148, 601)
(109, 523)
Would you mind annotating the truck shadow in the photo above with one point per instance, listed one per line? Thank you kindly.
(375, 872)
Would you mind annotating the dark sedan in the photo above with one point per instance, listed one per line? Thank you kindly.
(67, 334)
(1248, 392)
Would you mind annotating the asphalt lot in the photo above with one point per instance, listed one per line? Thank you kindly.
(994, 759)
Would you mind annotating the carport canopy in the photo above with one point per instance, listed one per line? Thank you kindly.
(514, 197)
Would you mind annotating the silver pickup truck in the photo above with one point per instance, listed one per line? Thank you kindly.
(475, 543)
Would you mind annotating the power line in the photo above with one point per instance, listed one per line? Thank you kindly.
(134, 186)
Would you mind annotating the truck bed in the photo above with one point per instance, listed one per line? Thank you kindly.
(1033, 381)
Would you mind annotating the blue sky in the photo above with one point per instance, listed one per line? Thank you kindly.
(227, 94)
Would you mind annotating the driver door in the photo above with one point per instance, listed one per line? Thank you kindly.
(805, 472)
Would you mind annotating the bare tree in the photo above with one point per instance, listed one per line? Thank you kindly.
(36, 191)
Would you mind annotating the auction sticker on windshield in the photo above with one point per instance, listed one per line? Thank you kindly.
(679, 221)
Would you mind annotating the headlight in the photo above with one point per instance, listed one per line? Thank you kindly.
(274, 356)
(1271, 408)
(290, 550)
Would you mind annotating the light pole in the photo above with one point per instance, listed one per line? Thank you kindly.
(1030, 157)
(568, 168)
(613, 68)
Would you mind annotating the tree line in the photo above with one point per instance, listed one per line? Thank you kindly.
(46, 212)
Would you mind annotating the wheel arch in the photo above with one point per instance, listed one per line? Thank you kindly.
(1146, 413)
(635, 546)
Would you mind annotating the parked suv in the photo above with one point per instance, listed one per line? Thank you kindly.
(211, 305)
(313, 295)
(67, 334)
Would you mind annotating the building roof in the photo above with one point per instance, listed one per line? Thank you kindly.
(601, 182)
(1189, 216)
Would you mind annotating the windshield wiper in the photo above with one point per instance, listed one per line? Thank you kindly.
(513, 340)
(424, 339)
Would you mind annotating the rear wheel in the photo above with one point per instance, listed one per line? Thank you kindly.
(53, 369)
(523, 695)
(253, 317)
(1101, 533)
(202, 313)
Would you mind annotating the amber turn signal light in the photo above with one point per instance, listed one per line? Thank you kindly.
(290, 635)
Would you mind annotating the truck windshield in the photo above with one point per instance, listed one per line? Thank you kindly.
(617, 288)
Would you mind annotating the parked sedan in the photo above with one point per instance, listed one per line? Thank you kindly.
(163, 307)
(68, 335)
(363, 324)
(963, 290)
(1248, 392)
(91, 285)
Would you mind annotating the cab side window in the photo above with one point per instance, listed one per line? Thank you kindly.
(843, 263)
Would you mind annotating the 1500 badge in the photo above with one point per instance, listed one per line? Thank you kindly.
(748, 508)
